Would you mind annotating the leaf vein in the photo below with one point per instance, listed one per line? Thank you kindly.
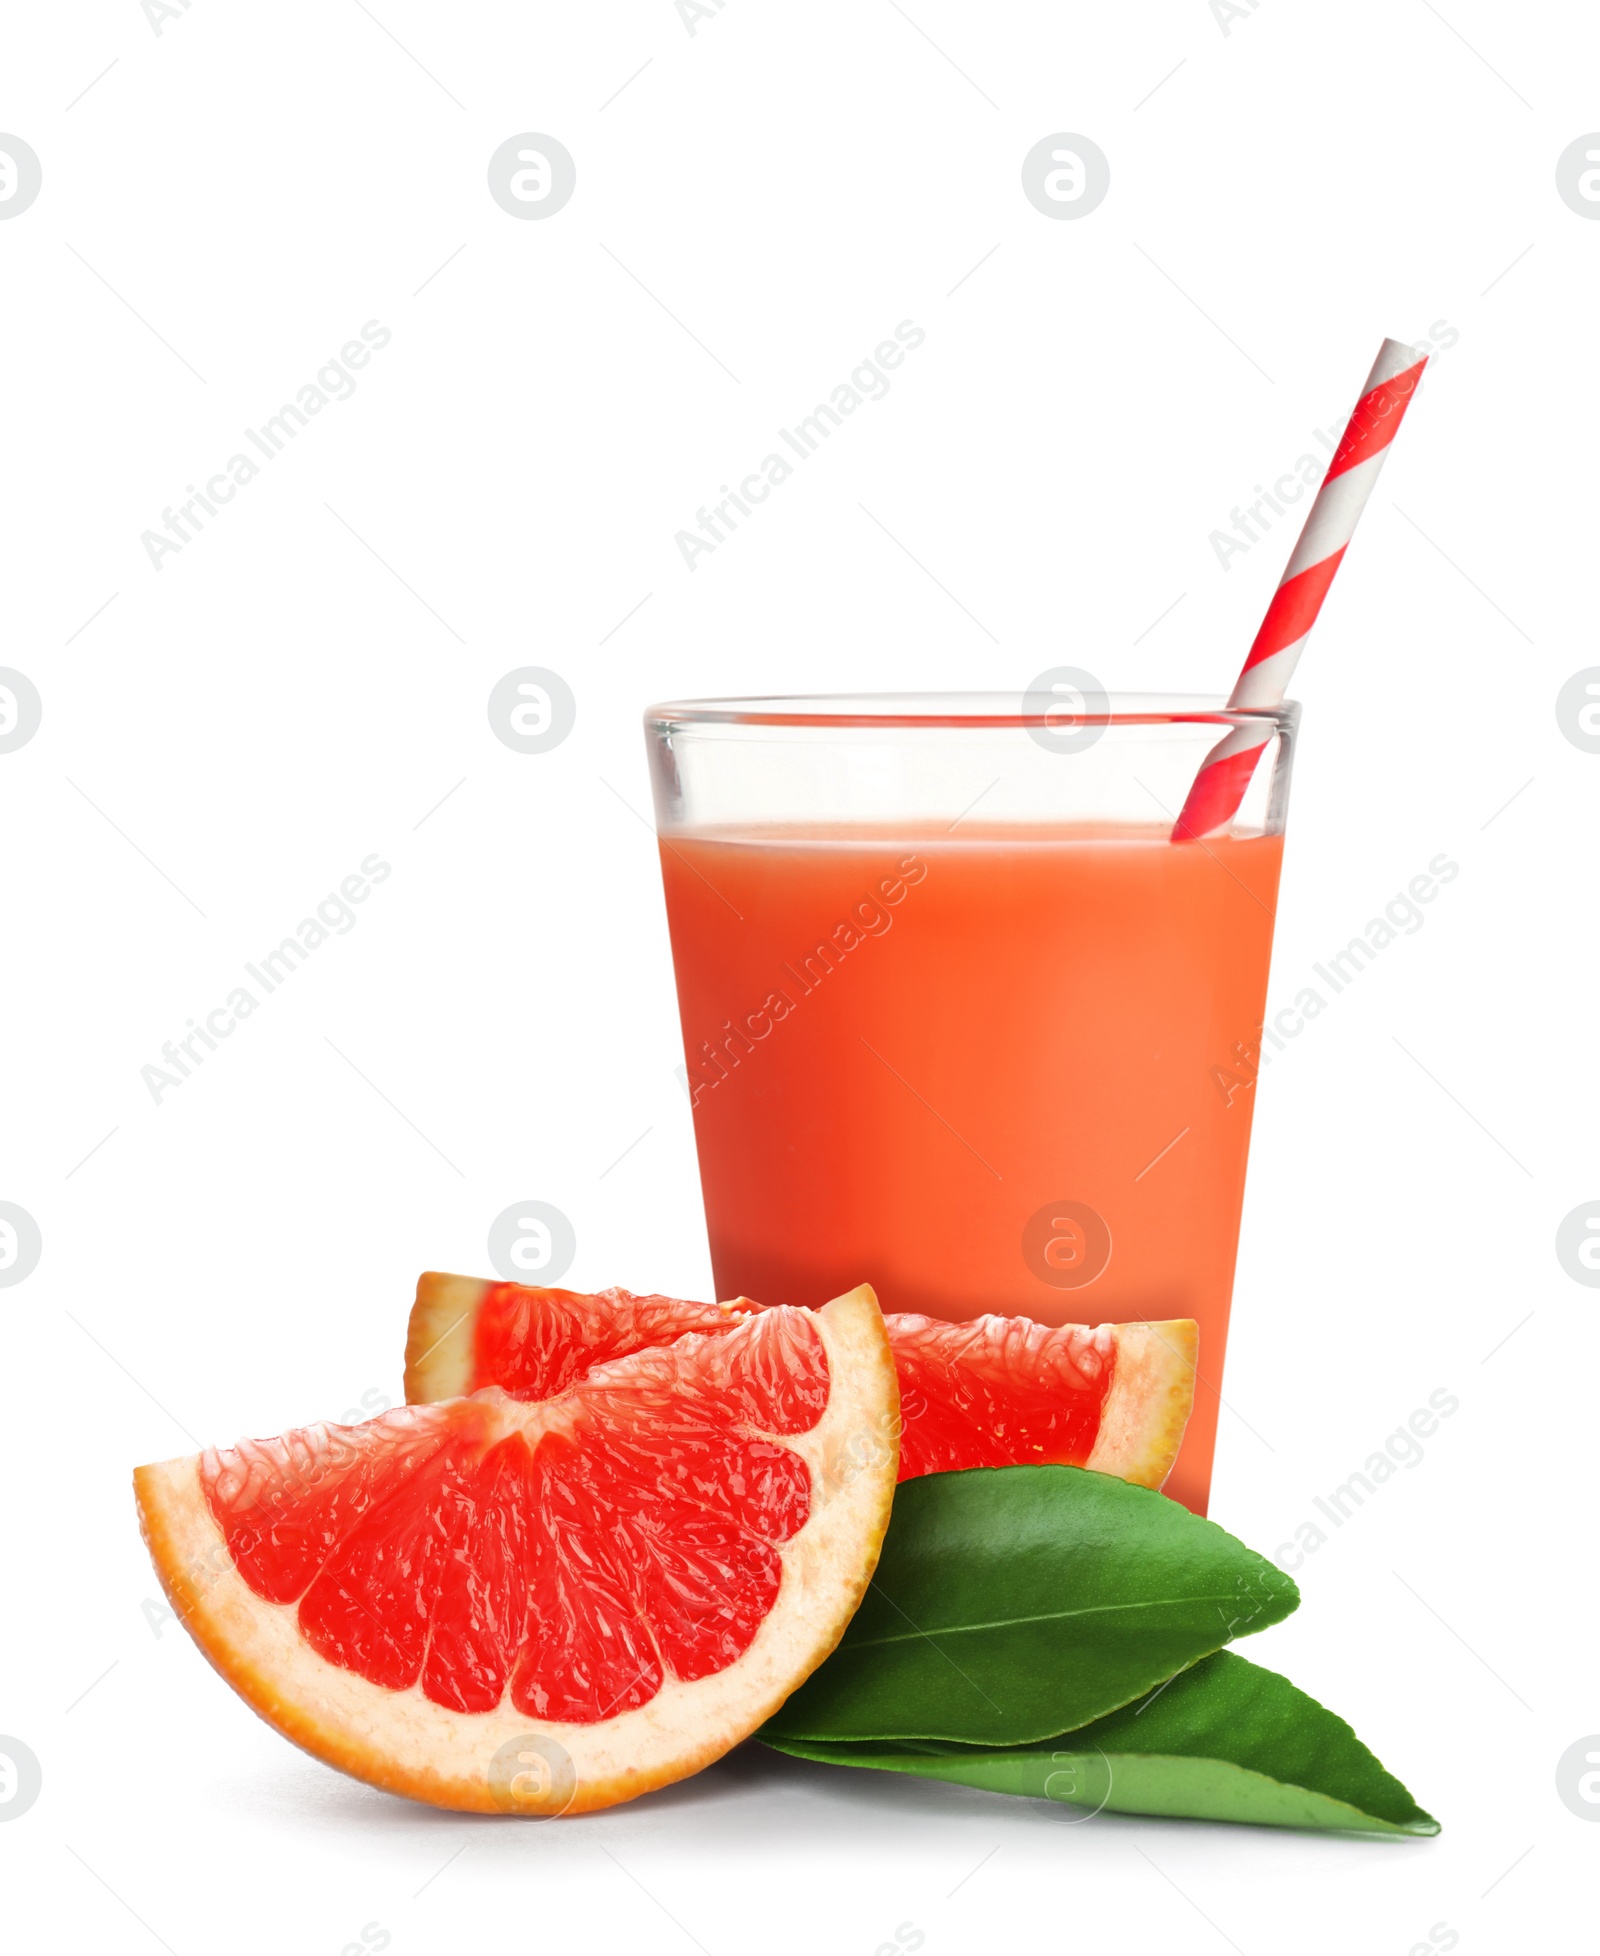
(1044, 1616)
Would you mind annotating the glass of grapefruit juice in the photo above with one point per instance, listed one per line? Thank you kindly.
(960, 1020)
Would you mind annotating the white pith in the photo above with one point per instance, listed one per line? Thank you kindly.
(1147, 1407)
(439, 1344)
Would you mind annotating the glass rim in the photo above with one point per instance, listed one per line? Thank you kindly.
(962, 710)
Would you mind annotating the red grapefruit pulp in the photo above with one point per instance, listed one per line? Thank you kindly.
(624, 1578)
(993, 1392)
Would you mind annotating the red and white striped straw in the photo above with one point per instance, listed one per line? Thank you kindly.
(1220, 786)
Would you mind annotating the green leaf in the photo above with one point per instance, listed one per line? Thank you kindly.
(1224, 1741)
(1015, 1603)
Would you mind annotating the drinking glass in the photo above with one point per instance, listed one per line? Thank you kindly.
(959, 1019)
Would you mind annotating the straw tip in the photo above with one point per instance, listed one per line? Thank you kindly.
(1398, 357)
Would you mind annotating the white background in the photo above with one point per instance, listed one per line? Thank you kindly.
(296, 689)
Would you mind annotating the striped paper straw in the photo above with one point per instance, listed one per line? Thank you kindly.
(1220, 785)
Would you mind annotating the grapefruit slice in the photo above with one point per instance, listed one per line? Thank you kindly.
(547, 1605)
(995, 1392)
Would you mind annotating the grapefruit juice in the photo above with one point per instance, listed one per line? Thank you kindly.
(985, 1068)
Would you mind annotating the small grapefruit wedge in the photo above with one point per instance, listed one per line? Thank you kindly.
(994, 1392)
(547, 1605)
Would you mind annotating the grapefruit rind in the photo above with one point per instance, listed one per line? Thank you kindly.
(1147, 1407)
(405, 1743)
(440, 1356)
